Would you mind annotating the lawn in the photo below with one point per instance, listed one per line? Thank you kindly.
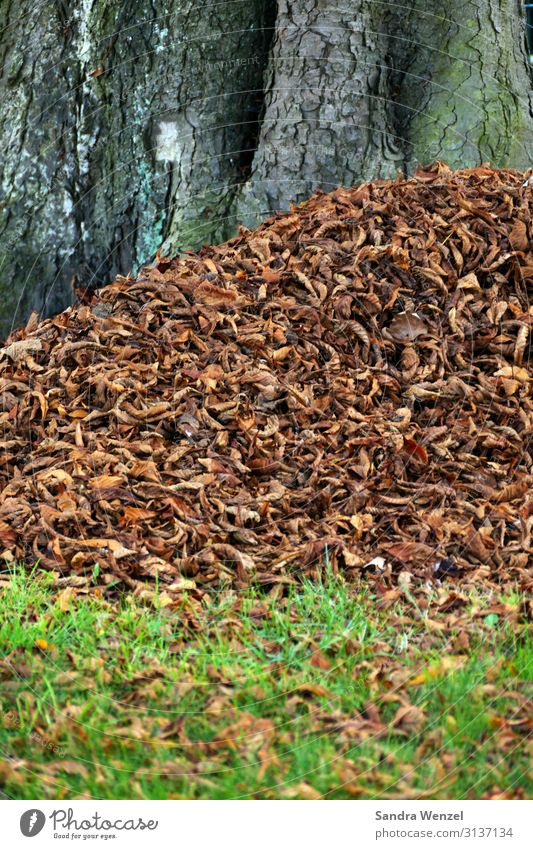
(319, 690)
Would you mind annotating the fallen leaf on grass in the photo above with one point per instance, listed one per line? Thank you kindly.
(303, 790)
(44, 645)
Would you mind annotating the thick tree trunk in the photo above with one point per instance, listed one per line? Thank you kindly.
(39, 163)
(126, 124)
(326, 119)
(463, 86)
(121, 121)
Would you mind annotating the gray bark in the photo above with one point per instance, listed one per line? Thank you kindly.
(327, 120)
(125, 126)
(462, 84)
(121, 123)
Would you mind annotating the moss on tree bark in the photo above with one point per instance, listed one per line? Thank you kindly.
(462, 85)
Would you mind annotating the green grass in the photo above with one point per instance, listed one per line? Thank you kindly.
(328, 691)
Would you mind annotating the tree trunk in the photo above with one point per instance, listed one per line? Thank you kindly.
(38, 167)
(326, 120)
(122, 121)
(126, 124)
(462, 84)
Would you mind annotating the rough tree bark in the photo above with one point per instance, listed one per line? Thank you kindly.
(120, 121)
(326, 120)
(462, 83)
(127, 124)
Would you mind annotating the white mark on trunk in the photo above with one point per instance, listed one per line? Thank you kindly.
(167, 142)
(84, 35)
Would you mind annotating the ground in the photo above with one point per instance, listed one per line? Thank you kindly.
(327, 689)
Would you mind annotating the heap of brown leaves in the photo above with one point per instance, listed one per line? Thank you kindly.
(349, 385)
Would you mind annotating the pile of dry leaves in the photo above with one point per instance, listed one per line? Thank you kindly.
(348, 385)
